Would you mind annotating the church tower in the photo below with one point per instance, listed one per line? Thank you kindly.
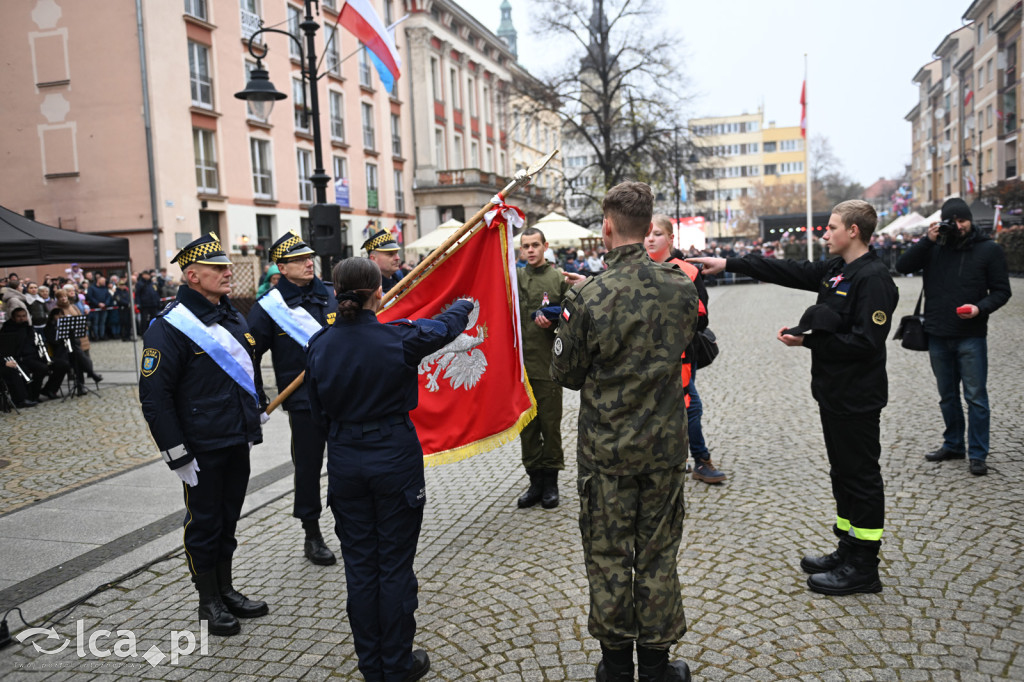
(506, 31)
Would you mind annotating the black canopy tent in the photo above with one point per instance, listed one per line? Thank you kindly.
(24, 241)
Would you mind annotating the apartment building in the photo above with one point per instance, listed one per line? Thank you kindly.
(738, 154)
(124, 123)
(965, 124)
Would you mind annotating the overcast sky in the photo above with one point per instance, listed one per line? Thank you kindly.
(740, 54)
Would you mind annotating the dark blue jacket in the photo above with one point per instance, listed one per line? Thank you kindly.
(971, 271)
(363, 370)
(288, 356)
(187, 399)
(96, 295)
(146, 294)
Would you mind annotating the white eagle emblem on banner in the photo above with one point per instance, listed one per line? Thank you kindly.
(461, 362)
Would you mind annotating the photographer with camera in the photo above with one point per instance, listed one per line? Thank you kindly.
(965, 281)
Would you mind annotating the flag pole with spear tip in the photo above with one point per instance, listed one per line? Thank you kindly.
(521, 178)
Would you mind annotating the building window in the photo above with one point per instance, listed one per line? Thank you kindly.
(364, 67)
(330, 4)
(399, 193)
(199, 75)
(299, 106)
(488, 158)
(340, 167)
(474, 154)
(332, 54)
(396, 135)
(456, 102)
(196, 8)
(262, 169)
(503, 168)
(485, 104)
(294, 19)
(459, 159)
(769, 169)
(337, 116)
(368, 133)
(305, 165)
(435, 78)
(206, 161)
(372, 187)
(791, 145)
(988, 71)
(439, 150)
(388, 13)
(471, 95)
(988, 116)
(251, 21)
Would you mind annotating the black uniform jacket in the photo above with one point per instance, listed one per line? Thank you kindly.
(187, 399)
(289, 357)
(388, 283)
(26, 340)
(848, 366)
(971, 271)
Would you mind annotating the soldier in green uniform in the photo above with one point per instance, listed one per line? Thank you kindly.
(541, 289)
(621, 340)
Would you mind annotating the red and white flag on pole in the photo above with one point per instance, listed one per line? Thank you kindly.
(473, 393)
(803, 110)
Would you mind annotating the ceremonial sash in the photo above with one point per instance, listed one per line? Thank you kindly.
(223, 348)
(296, 322)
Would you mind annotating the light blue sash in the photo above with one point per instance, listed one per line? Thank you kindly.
(296, 322)
(223, 348)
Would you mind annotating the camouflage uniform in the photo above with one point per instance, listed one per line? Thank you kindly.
(541, 438)
(621, 340)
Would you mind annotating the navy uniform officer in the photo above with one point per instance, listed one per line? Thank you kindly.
(849, 381)
(363, 382)
(382, 249)
(282, 322)
(200, 396)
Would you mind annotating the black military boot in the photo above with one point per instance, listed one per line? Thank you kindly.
(315, 548)
(219, 620)
(533, 494)
(237, 603)
(654, 666)
(828, 562)
(549, 488)
(858, 572)
(420, 665)
(616, 665)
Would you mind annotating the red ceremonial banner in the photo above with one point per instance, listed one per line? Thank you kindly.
(473, 392)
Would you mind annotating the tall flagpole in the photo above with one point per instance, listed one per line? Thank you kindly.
(807, 171)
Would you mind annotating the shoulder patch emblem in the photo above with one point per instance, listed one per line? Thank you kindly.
(331, 317)
(878, 317)
(558, 345)
(248, 337)
(150, 361)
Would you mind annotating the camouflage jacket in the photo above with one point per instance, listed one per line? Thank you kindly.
(536, 285)
(621, 340)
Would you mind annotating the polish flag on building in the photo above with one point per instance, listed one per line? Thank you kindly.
(362, 21)
(473, 392)
(803, 109)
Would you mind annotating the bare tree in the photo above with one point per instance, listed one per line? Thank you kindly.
(618, 95)
(828, 176)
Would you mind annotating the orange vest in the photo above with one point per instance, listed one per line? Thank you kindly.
(692, 272)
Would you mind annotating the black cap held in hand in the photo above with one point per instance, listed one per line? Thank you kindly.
(956, 208)
(818, 317)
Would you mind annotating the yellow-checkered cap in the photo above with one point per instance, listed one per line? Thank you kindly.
(206, 250)
(290, 245)
(382, 241)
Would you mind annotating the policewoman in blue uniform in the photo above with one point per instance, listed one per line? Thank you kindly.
(848, 379)
(363, 382)
(382, 249)
(200, 395)
(282, 322)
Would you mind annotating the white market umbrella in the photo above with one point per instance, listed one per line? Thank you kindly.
(433, 239)
(559, 231)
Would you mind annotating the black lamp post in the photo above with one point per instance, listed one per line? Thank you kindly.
(260, 95)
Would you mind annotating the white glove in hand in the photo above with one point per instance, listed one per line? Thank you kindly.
(264, 418)
(188, 473)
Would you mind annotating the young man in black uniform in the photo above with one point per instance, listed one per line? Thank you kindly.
(201, 398)
(282, 322)
(848, 379)
(382, 249)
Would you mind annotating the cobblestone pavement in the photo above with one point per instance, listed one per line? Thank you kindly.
(502, 590)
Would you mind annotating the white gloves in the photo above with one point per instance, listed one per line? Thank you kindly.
(188, 473)
(264, 418)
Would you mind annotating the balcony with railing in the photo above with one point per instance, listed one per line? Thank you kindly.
(250, 23)
(490, 182)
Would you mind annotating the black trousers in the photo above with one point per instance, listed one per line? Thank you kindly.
(212, 508)
(852, 442)
(309, 441)
(39, 371)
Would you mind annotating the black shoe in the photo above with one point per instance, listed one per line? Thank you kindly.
(420, 665)
(978, 467)
(50, 395)
(549, 488)
(533, 494)
(315, 548)
(821, 564)
(858, 573)
(236, 602)
(943, 454)
(704, 470)
(81, 390)
(97, 377)
(219, 621)
(654, 666)
(616, 665)
(26, 403)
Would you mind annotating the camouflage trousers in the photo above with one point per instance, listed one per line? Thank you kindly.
(541, 439)
(631, 528)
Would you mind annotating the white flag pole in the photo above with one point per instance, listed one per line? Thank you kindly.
(807, 170)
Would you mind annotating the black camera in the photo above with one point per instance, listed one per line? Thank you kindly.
(948, 231)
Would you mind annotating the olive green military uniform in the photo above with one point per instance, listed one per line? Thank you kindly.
(620, 340)
(542, 438)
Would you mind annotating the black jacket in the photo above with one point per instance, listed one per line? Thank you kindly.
(146, 294)
(971, 271)
(288, 356)
(848, 366)
(187, 399)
